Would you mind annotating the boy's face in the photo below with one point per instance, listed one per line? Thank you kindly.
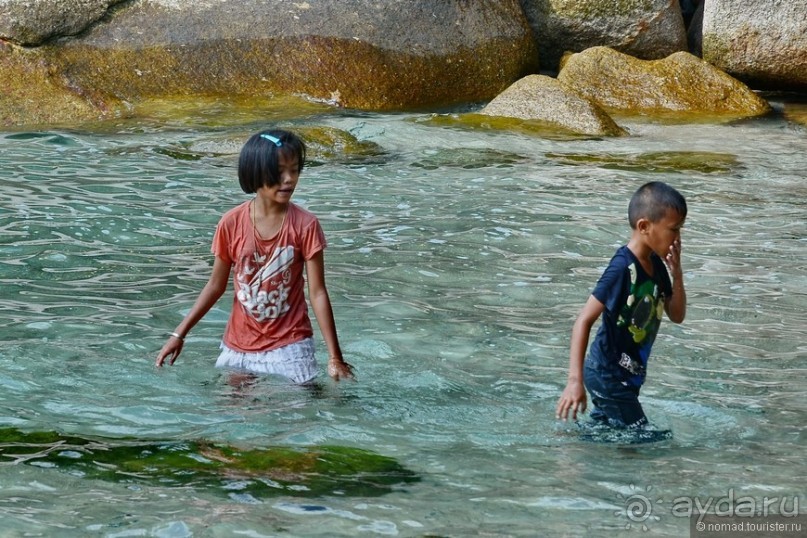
(663, 233)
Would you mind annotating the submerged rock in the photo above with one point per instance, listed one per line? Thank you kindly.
(679, 83)
(538, 97)
(475, 121)
(796, 113)
(647, 29)
(663, 162)
(323, 144)
(468, 158)
(308, 472)
(331, 144)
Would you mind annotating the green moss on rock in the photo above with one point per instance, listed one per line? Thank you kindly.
(797, 113)
(331, 144)
(469, 158)
(312, 471)
(32, 93)
(603, 8)
(373, 79)
(655, 162)
(484, 122)
(324, 144)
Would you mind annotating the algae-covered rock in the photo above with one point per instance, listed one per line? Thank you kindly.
(34, 94)
(654, 162)
(474, 121)
(679, 83)
(538, 97)
(212, 112)
(323, 144)
(796, 112)
(332, 144)
(648, 29)
(311, 471)
(353, 53)
(468, 158)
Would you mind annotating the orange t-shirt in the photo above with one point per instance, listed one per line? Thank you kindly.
(269, 308)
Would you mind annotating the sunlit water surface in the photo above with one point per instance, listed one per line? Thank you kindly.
(457, 261)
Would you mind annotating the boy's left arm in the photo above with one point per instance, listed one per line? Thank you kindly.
(676, 306)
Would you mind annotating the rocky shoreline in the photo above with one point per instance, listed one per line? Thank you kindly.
(75, 61)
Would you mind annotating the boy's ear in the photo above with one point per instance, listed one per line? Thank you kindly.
(642, 225)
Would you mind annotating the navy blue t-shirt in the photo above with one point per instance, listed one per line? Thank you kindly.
(634, 306)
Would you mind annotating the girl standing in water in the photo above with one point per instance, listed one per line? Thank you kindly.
(267, 243)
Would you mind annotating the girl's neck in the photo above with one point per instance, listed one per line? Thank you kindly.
(266, 209)
(267, 219)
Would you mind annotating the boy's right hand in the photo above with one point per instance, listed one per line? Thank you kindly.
(573, 399)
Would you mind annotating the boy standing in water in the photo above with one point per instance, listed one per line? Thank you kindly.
(630, 296)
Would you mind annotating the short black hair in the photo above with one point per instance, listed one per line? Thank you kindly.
(259, 162)
(652, 200)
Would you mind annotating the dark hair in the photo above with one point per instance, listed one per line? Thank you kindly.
(259, 162)
(652, 201)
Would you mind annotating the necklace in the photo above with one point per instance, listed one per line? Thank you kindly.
(258, 240)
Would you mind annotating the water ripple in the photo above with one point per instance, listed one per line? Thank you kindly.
(456, 264)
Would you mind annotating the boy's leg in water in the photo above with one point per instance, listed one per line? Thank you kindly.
(616, 408)
(613, 403)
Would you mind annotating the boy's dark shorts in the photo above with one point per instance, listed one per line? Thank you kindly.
(614, 402)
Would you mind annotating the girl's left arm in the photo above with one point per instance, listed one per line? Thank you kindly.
(321, 303)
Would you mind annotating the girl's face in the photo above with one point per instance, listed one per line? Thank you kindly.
(289, 172)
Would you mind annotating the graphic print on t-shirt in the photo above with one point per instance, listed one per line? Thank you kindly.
(641, 315)
(263, 290)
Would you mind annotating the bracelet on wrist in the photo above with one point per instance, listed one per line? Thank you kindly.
(178, 336)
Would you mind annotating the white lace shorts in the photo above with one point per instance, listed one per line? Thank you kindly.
(295, 361)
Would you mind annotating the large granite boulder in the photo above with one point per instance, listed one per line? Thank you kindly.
(648, 29)
(542, 98)
(761, 42)
(356, 53)
(680, 83)
(31, 22)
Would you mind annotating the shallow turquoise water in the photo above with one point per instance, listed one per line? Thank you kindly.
(458, 259)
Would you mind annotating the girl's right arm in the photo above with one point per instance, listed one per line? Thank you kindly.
(574, 395)
(211, 293)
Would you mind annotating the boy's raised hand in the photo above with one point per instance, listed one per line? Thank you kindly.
(573, 399)
(673, 258)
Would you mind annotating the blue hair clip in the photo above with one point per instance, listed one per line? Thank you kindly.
(272, 139)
